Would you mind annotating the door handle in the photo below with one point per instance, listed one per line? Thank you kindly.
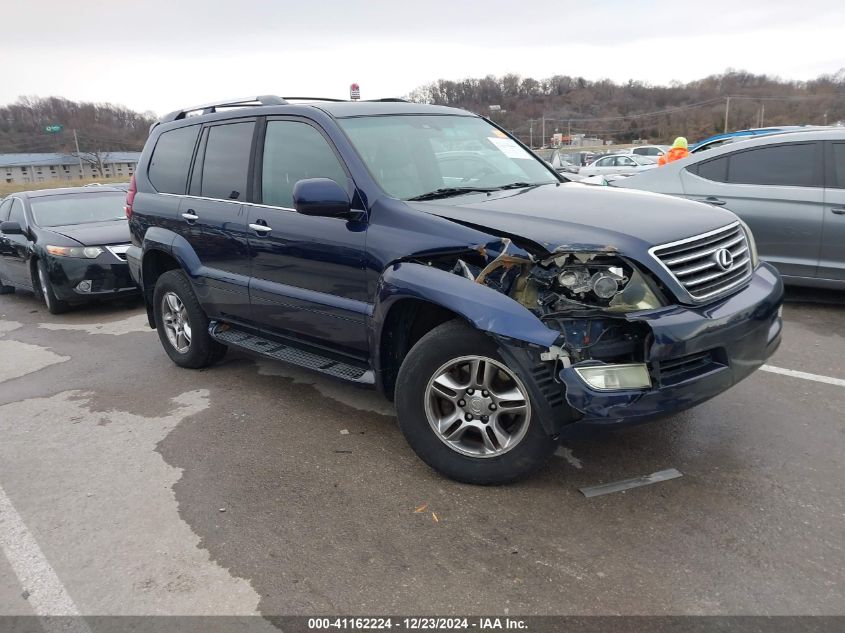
(190, 216)
(838, 210)
(261, 229)
(714, 201)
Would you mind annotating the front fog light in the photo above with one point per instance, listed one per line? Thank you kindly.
(84, 285)
(604, 377)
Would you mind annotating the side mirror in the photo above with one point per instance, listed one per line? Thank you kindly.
(11, 228)
(320, 197)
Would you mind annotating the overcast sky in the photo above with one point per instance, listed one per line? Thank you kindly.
(160, 55)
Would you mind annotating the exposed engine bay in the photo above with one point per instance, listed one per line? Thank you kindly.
(584, 295)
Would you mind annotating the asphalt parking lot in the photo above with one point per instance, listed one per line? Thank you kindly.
(130, 486)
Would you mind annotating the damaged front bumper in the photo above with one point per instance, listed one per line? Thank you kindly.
(697, 353)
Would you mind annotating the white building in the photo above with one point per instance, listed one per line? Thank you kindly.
(29, 168)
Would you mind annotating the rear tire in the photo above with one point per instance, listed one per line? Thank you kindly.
(182, 324)
(45, 289)
(465, 413)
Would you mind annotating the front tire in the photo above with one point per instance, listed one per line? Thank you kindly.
(54, 304)
(465, 413)
(182, 324)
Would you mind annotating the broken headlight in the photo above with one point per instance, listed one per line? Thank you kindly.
(596, 280)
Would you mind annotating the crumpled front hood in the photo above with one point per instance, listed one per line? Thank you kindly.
(581, 217)
(95, 233)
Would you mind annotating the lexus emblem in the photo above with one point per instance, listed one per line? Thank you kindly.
(724, 258)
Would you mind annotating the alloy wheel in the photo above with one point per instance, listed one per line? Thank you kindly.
(477, 406)
(176, 324)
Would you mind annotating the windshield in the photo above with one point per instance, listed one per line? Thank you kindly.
(413, 155)
(78, 208)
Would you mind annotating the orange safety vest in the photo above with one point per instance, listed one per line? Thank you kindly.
(676, 153)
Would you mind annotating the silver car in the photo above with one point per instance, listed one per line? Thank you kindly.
(789, 188)
(624, 164)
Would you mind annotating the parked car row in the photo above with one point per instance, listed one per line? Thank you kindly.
(66, 245)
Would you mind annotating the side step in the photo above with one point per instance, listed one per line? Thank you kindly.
(289, 354)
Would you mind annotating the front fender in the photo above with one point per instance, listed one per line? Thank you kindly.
(486, 309)
(518, 331)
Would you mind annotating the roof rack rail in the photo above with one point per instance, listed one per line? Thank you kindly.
(208, 108)
(390, 100)
(313, 99)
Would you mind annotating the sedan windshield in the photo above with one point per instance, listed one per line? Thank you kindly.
(78, 208)
(423, 156)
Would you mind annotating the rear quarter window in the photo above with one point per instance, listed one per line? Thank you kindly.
(715, 169)
(171, 160)
(837, 171)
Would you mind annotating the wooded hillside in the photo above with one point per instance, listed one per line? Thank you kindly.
(633, 110)
(100, 126)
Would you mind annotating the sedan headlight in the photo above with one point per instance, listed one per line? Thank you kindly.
(82, 252)
(752, 245)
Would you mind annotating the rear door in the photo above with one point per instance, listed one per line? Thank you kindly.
(307, 272)
(777, 190)
(214, 218)
(603, 166)
(832, 258)
(626, 165)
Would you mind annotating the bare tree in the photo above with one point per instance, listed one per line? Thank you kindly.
(95, 159)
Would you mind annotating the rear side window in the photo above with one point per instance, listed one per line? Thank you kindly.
(171, 159)
(225, 167)
(838, 167)
(716, 169)
(294, 151)
(784, 165)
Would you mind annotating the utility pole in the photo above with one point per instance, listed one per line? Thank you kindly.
(531, 133)
(569, 130)
(543, 144)
(762, 114)
(825, 117)
(78, 154)
(727, 110)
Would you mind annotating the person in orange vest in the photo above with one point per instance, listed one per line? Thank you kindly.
(679, 150)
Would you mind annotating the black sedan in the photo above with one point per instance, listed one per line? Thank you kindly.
(66, 245)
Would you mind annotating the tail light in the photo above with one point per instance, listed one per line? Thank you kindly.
(130, 197)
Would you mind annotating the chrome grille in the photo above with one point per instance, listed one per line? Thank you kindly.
(710, 264)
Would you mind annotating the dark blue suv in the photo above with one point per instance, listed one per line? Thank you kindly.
(424, 251)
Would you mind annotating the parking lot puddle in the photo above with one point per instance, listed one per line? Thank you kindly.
(8, 326)
(137, 323)
(103, 487)
(350, 395)
(19, 359)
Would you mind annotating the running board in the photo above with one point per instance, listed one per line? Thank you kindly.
(289, 354)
